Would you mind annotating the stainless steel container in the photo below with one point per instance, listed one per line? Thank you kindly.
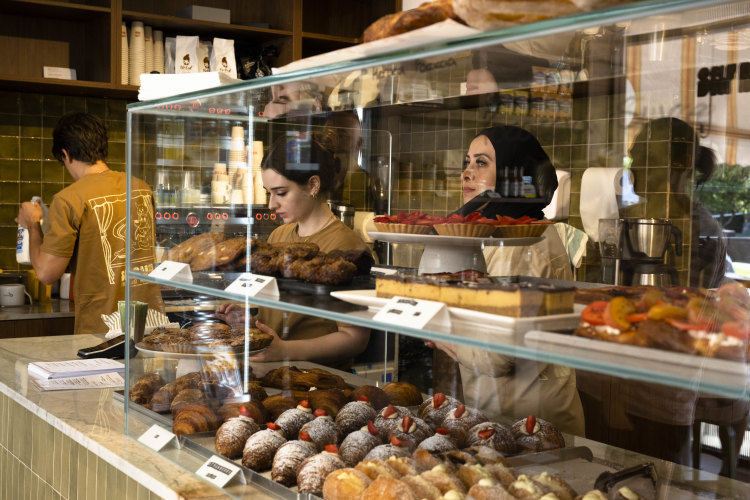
(649, 237)
(345, 213)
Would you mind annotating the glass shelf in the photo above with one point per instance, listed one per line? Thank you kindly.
(718, 377)
(639, 17)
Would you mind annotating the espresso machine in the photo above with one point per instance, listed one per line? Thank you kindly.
(639, 251)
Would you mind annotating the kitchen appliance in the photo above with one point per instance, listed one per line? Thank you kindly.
(639, 251)
(343, 212)
(178, 223)
(12, 295)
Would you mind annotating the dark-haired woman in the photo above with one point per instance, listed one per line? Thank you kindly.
(298, 189)
(489, 154)
(503, 386)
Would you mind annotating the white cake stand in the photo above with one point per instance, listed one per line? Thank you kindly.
(450, 254)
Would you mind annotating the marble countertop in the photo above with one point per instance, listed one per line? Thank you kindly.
(55, 308)
(96, 420)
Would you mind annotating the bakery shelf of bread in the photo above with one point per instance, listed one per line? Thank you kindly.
(366, 443)
(559, 72)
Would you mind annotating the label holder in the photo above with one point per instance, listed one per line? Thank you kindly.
(157, 438)
(221, 472)
(250, 285)
(173, 271)
(414, 313)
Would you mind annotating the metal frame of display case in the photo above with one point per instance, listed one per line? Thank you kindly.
(726, 379)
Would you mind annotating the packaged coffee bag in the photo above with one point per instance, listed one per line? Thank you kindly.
(186, 55)
(223, 59)
(204, 56)
(169, 50)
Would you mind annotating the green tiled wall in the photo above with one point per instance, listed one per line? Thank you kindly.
(38, 461)
(27, 167)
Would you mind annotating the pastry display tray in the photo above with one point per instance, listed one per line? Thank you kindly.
(187, 355)
(468, 317)
(220, 281)
(729, 376)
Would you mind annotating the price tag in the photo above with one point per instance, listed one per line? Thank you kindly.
(173, 271)
(219, 471)
(157, 438)
(250, 285)
(414, 313)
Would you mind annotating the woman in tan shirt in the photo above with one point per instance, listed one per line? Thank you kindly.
(298, 173)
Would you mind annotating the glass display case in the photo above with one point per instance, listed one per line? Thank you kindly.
(615, 125)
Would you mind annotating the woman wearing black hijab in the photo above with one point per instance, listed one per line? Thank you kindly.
(489, 153)
(500, 385)
(493, 150)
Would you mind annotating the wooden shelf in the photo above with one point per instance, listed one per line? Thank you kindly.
(331, 38)
(184, 26)
(85, 35)
(68, 87)
(52, 10)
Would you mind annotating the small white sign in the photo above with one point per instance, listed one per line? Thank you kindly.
(61, 73)
(157, 437)
(173, 271)
(414, 313)
(219, 471)
(382, 270)
(250, 285)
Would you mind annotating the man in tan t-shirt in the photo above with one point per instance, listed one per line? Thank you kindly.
(87, 222)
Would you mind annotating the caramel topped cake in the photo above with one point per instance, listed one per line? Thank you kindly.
(480, 294)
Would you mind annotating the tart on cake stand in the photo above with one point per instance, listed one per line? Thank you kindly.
(450, 254)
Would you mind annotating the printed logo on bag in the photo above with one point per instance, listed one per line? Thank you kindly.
(186, 64)
(225, 68)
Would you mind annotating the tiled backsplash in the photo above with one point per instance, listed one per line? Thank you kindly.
(428, 150)
(27, 167)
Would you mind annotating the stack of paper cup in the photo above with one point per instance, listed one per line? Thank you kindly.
(124, 55)
(256, 158)
(149, 49)
(137, 58)
(237, 161)
(221, 189)
(158, 51)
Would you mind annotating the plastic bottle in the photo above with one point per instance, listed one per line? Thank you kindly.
(22, 241)
(506, 184)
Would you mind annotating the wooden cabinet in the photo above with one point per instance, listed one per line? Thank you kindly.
(85, 34)
(40, 327)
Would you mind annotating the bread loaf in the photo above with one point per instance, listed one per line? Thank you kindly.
(497, 14)
(393, 24)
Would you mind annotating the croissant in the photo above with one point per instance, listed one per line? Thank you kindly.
(194, 418)
(145, 387)
(162, 399)
(254, 410)
(330, 400)
(403, 394)
(278, 404)
(188, 396)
